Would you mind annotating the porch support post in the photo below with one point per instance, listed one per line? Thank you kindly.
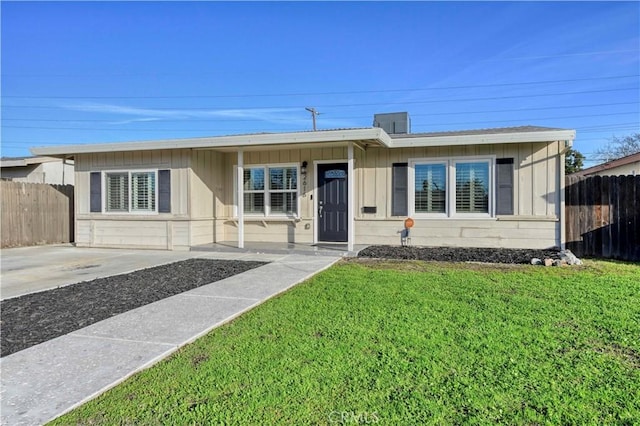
(350, 198)
(240, 198)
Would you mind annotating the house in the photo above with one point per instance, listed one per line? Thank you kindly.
(480, 188)
(50, 170)
(629, 165)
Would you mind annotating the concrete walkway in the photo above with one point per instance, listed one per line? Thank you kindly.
(49, 379)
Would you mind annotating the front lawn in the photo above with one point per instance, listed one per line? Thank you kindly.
(408, 343)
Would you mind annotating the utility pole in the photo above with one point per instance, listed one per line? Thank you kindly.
(314, 113)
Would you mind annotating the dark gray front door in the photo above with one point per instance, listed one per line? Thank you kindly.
(332, 202)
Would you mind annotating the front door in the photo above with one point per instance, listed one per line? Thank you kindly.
(333, 220)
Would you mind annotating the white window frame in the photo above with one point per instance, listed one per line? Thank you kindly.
(411, 193)
(450, 205)
(129, 211)
(267, 192)
(452, 169)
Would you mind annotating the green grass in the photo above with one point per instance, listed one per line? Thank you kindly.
(408, 343)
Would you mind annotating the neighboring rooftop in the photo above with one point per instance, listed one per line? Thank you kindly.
(611, 166)
(25, 161)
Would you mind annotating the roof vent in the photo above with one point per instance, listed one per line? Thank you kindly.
(393, 122)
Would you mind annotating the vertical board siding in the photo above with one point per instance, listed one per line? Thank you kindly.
(602, 216)
(36, 213)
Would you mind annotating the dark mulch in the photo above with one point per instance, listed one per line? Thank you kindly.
(458, 254)
(35, 318)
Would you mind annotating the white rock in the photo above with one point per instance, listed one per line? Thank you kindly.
(570, 258)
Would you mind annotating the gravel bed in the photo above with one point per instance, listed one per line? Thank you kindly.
(458, 254)
(35, 318)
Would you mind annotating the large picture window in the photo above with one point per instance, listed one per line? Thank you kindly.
(130, 192)
(271, 190)
(452, 187)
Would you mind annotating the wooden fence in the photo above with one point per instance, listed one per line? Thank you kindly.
(603, 216)
(35, 213)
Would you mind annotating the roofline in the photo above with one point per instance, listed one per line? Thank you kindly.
(372, 135)
(26, 161)
(488, 138)
(609, 165)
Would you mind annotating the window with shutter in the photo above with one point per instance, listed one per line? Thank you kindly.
(130, 192)
(451, 187)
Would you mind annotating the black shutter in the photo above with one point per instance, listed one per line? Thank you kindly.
(95, 192)
(399, 183)
(164, 191)
(504, 186)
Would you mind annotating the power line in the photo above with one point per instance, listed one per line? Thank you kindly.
(206, 73)
(352, 92)
(189, 119)
(364, 104)
(607, 126)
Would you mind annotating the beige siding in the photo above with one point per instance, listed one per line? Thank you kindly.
(177, 160)
(130, 233)
(160, 231)
(202, 231)
(536, 195)
(270, 230)
(460, 233)
(535, 181)
(288, 231)
(205, 184)
(202, 187)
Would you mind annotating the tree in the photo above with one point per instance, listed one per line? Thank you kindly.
(573, 161)
(620, 147)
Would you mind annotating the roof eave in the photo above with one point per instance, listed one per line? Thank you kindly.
(488, 138)
(224, 142)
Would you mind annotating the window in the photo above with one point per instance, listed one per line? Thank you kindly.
(117, 192)
(472, 187)
(130, 192)
(283, 190)
(143, 191)
(254, 191)
(456, 187)
(278, 195)
(430, 188)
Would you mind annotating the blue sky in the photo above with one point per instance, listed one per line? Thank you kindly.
(76, 72)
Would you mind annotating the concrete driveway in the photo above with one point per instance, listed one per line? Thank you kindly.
(29, 269)
(46, 380)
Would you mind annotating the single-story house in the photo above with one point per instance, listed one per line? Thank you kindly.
(50, 170)
(479, 188)
(628, 165)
